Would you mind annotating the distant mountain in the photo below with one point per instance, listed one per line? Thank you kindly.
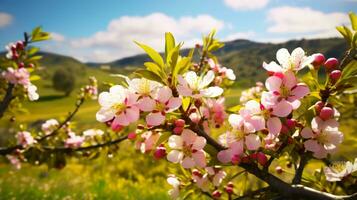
(243, 56)
(246, 57)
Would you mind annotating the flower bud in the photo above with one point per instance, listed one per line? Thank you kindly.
(160, 152)
(290, 123)
(326, 113)
(262, 158)
(289, 164)
(318, 106)
(229, 190)
(20, 45)
(279, 170)
(21, 65)
(131, 136)
(230, 184)
(178, 130)
(198, 103)
(180, 123)
(331, 63)
(197, 46)
(195, 172)
(284, 129)
(31, 65)
(335, 75)
(236, 160)
(216, 194)
(319, 59)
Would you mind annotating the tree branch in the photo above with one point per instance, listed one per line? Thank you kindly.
(300, 169)
(7, 99)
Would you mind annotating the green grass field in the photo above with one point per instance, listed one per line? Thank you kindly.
(128, 175)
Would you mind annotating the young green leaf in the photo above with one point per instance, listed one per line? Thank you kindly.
(169, 43)
(353, 18)
(155, 56)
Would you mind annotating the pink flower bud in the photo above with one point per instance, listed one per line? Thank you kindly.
(335, 75)
(331, 63)
(284, 129)
(235, 160)
(326, 113)
(319, 59)
(290, 123)
(21, 65)
(178, 130)
(160, 152)
(262, 158)
(229, 190)
(116, 127)
(279, 170)
(254, 156)
(31, 65)
(319, 105)
(131, 136)
(195, 172)
(216, 194)
(20, 45)
(180, 123)
(230, 184)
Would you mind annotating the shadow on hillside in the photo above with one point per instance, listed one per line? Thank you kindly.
(51, 97)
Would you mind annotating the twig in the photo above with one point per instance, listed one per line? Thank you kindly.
(7, 99)
(300, 169)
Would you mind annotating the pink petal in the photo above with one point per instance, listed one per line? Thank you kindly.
(307, 133)
(289, 79)
(164, 94)
(155, 119)
(188, 136)
(199, 158)
(121, 120)
(252, 141)
(237, 147)
(146, 104)
(294, 103)
(184, 90)
(273, 83)
(274, 125)
(199, 143)
(282, 109)
(300, 91)
(104, 115)
(188, 162)
(174, 103)
(175, 156)
(312, 145)
(257, 122)
(132, 114)
(225, 156)
(131, 98)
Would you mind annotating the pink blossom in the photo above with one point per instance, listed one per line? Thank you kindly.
(217, 174)
(17, 76)
(214, 110)
(284, 94)
(15, 161)
(252, 93)
(194, 86)
(222, 71)
(49, 126)
(187, 149)
(90, 133)
(338, 170)
(32, 92)
(162, 103)
(119, 103)
(294, 62)
(150, 139)
(25, 139)
(323, 137)
(73, 141)
(175, 183)
(202, 181)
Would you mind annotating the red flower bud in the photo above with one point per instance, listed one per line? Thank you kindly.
(319, 59)
(21, 65)
(236, 160)
(331, 63)
(131, 136)
(326, 113)
(20, 45)
(160, 152)
(229, 190)
(335, 75)
(178, 130)
(319, 105)
(195, 172)
(31, 65)
(279, 170)
(290, 123)
(230, 184)
(262, 158)
(180, 123)
(216, 194)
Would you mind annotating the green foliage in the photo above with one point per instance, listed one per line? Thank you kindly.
(38, 35)
(350, 35)
(64, 80)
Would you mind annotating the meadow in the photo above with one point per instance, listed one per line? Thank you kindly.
(126, 175)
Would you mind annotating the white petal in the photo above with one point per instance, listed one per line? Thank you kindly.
(207, 79)
(212, 91)
(283, 56)
(175, 156)
(175, 142)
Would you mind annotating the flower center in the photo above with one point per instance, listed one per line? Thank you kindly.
(239, 134)
(144, 87)
(322, 138)
(160, 106)
(338, 166)
(119, 107)
(187, 150)
(284, 91)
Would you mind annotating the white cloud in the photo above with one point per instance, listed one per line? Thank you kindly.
(5, 19)
(246, 4)
(304, 20)
(117, 40)
(57, 37)
(240, 35)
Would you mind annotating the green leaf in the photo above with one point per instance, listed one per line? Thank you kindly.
(155, 56)
(35, 78)
(149, 75)
(153, 67)
(353, 18)
(32, 51)
(39, 35)
(34, 58)
(172, 57)
(186, 103)
(235, 108)
(346, 33)
(169, 43)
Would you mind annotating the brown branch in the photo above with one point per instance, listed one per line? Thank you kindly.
(7, 99)
(61, 125)
(298, 173)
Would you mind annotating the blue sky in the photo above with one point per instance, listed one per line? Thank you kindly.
(104, 30)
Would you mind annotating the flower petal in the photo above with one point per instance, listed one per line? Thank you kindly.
(199, 158)
(212, 91)
(207, 79)
(175, 156)
(191, 78)
(252, 141)
(273, 83)
(199, 143)
(175, 142)
(155, 119)
(174, 103)
(188, 136)
(272, 67)
(164, 94)
(188, 162)
(307, 133)
(300, 91)
(104, 115)
(283, 57)
(274, 125)
(146, 104)
(282, 109)
(132, 114)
